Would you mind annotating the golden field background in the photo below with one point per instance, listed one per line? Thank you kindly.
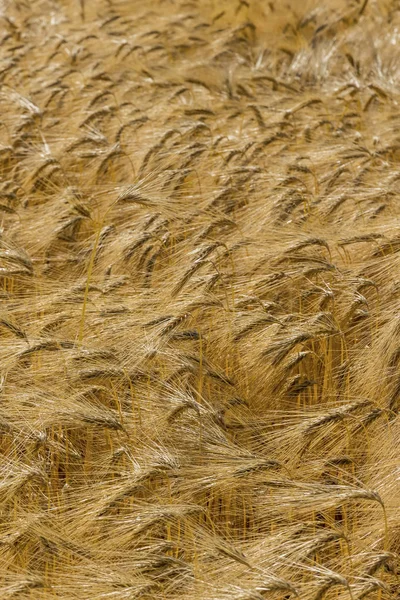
(200, 334)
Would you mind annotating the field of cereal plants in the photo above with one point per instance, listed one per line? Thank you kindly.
(199, 319)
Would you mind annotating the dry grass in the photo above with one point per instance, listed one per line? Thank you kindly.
(200, 335)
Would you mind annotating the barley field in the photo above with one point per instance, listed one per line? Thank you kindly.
(200, 299)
